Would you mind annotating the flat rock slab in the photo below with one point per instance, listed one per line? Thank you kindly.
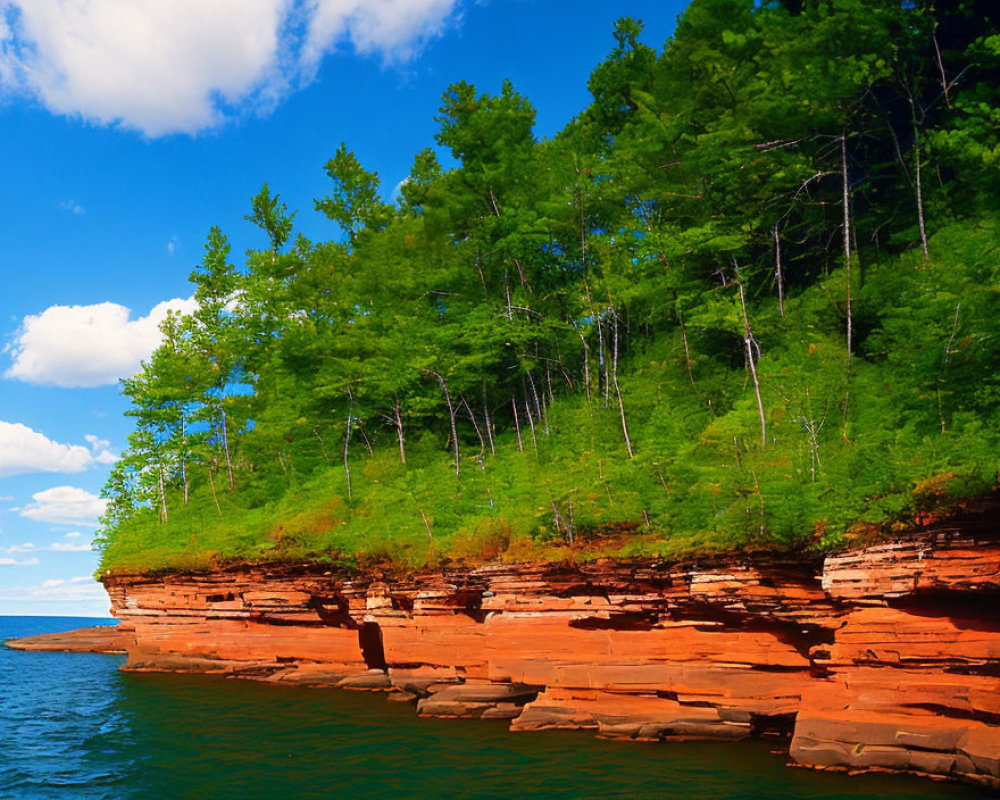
(100, 639)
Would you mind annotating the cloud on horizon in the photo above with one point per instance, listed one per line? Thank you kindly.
(87, 346)
(189, 65)
(81, 592)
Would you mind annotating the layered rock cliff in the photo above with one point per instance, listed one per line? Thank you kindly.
(885, 657)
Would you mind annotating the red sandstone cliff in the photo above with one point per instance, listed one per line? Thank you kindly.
(886, 657)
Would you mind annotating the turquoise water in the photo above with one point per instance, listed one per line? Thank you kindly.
(72, 726)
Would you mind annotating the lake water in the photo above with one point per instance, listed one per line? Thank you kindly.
(73, 726)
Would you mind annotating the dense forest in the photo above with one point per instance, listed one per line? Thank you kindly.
(748, 298)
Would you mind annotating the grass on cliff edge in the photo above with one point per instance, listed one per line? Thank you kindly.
(923, 432)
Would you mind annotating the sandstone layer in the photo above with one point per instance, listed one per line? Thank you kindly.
(99, 639)
(885, 657)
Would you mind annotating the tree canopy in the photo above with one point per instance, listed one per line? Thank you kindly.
(747, 298)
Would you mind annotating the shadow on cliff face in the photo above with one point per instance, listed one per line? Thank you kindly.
(966, 610)
(370, 642)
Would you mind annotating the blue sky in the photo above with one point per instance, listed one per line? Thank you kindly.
(129, 127)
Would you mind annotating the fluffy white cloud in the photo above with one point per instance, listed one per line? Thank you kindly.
(65, 505)
(395, 28)
(82, 346)
(13, 562)
(185, 65)
(23, 451)
(100, 449)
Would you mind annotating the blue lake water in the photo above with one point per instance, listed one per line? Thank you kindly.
(73, 726)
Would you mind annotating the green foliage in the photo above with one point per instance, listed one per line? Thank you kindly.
(630, 339)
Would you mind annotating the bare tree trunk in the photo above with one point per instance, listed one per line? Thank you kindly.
(489, 421)
(812, 430)
(482, 278)
(517, 424)
(399, 433)
(347, 443)
(479, 435)
(607, 380)
(531, 423)
(618, 392)
(560, 524)
(506, 289)
(215, 497)
(534, 396)
(777, 271)
(920, 186)
(225, 445)
(940, 63)
(751, 346)
(847, 264)
(184, 457)
(427, 526)
(517, 261)
(687, 351)
(364, 437)
(451, 415)
(163, 495)
(586, 370)
(920, 204)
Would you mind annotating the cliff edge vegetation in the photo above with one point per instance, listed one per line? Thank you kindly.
(747, 298)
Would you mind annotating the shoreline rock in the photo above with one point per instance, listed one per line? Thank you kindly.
(883, 658)
(108, 639)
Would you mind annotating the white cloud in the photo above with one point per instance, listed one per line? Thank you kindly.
(84, 346)
(27, 547)
(73, 207)
(11, 562)
(65, 505)
(23, 451)
(395, 28)
(101, 449)
(66, 547)
(186, 65)
(73, 534)
(55, 547)
(77, 595)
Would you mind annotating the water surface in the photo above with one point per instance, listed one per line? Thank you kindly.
(72, 726)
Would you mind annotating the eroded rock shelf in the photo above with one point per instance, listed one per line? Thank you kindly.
(885, 657)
